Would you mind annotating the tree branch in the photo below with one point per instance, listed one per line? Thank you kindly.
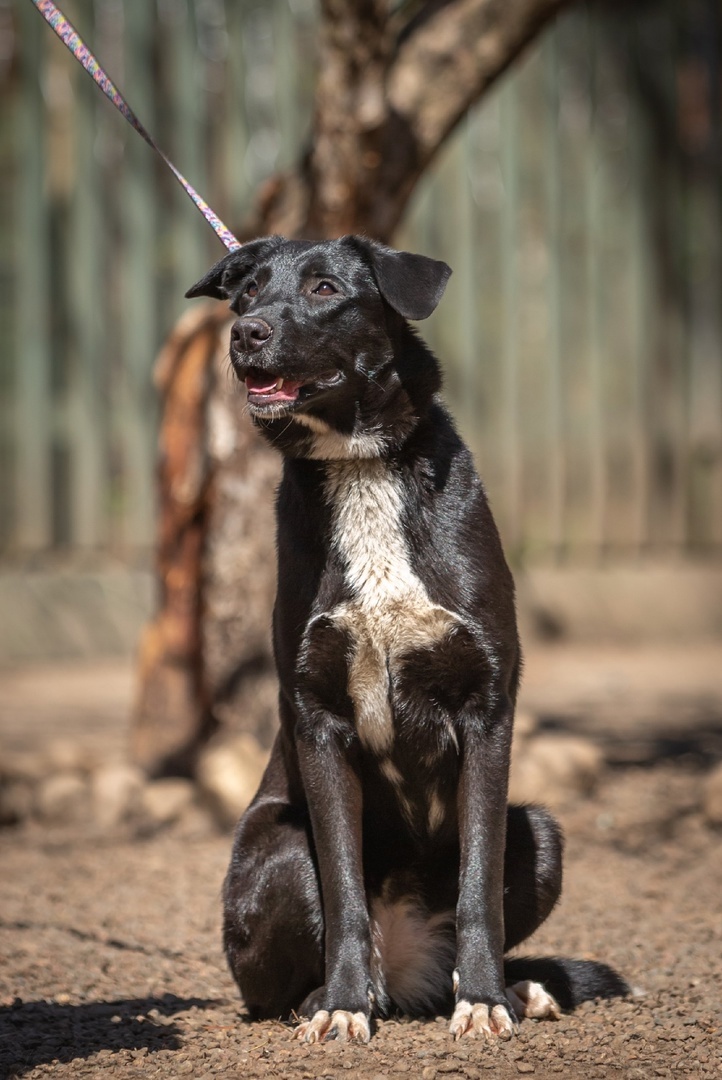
(453, 56)
(390, 90)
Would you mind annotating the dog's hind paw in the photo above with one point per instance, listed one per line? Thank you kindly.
(480, 1019)
(530, 999)
(324, 1026)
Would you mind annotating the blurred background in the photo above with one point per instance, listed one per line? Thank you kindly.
(579, 204)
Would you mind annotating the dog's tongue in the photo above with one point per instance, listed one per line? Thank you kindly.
(267, 387)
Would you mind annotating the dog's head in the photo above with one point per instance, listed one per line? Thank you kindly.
(321, 336)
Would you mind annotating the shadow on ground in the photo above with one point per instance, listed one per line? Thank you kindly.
(697, 744)
(39, 1032)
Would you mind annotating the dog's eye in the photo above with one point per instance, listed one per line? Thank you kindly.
(325, 288)
(252, 289)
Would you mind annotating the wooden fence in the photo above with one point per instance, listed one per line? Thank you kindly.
(579, 205)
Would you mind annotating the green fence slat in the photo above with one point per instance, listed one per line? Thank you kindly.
(640, 303)
(511, 507)
(467, 278)
(593, 181)
(553, 199)
(139, 330)
(235, 179)
(32, 401)
(87, 408)
(194, 245)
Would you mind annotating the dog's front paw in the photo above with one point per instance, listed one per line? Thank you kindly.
(339, 1024)
(532, 1000)
(489, 1021)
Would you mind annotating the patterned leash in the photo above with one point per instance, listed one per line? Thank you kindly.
(70, 37)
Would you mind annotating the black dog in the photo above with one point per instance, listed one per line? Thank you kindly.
(379, 866)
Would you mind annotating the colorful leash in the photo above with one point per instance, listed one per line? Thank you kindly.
(69, 36)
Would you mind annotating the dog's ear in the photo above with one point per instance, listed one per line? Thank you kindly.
(211, 284)
(412, 284)
(232, 266)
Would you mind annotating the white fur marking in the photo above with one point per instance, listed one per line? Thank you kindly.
(340, 1024)
(331, 445)
(391, 611)
(392, 773)
(479, 1019)
(437, 812)
(530, 999)
(395, 778)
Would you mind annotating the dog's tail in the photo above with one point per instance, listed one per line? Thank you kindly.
(569, 981)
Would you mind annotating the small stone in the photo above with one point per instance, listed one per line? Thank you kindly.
(525, 727)
(16, 801)
(115, 790)
(164, 801)
(428, 1072)
(524, 1067)
(228, 775)
(62, 799)
(22, 765)
(552, 768)
(712, 797)
(64, 755)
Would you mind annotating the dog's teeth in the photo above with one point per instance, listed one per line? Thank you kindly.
(279, 384)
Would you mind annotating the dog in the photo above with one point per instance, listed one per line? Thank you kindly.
(379, 868)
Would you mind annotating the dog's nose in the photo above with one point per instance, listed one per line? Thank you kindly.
(249, 333)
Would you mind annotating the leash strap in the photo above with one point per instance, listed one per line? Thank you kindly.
(70, 37)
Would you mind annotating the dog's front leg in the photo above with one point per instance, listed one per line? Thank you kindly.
(342, 1007)
(481, 1004)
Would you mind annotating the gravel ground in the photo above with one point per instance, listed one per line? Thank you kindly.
(110, 960)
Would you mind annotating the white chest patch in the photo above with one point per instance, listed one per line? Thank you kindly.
(391, 611)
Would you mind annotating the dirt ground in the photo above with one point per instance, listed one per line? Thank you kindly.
(110, 958)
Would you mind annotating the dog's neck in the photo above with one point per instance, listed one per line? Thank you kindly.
(392, 402)
(309, 436)
(329, 444)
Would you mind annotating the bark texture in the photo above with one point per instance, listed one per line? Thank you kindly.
(391, 87)
(205, 659)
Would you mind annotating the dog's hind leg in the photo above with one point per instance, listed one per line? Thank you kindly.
(540, 987)
(272, 914)
(532, 871)
(532, 886)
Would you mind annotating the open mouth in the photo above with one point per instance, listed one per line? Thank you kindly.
(265, 389)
